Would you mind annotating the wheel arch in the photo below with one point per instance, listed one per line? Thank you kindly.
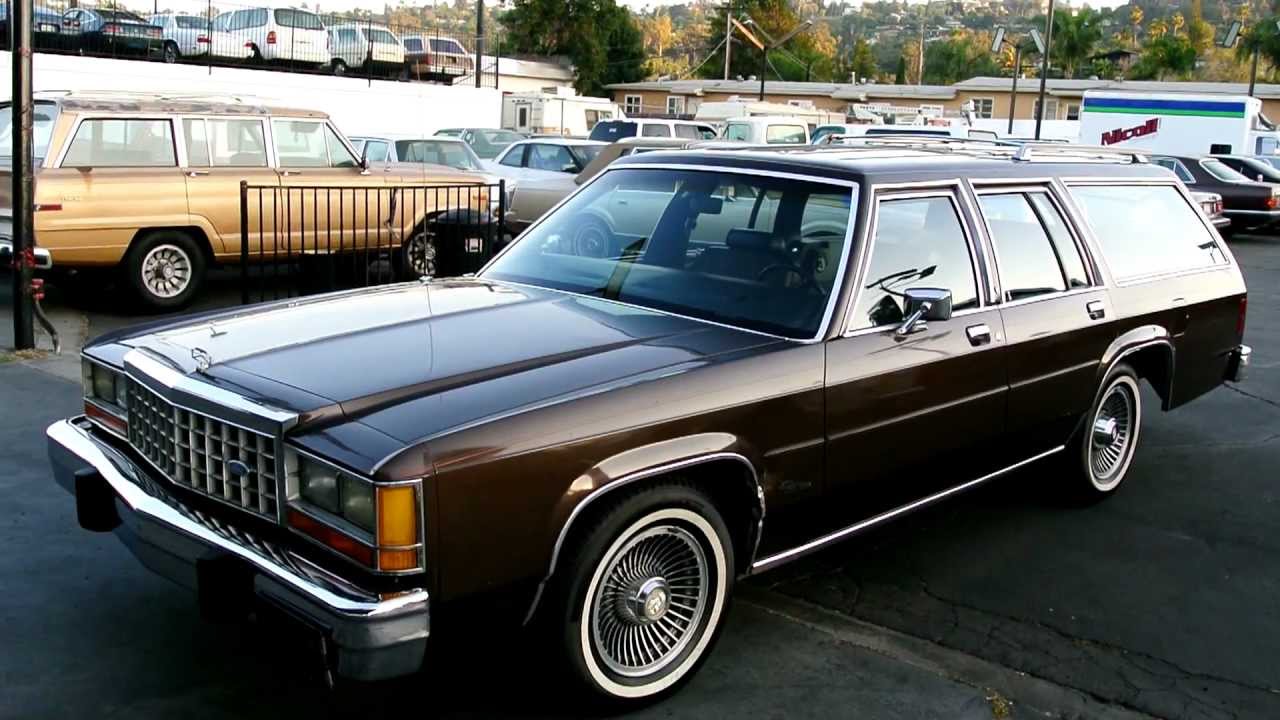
(713, 462)
(195, 232)
(1149, 350)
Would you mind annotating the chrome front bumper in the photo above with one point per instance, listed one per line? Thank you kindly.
(373, 637)
(1238, 364)
(44, 260)
(1220, 221)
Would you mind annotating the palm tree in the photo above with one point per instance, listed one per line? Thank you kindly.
(1074, 40)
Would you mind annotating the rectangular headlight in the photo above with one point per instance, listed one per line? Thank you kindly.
(106, 396)
(375, 525)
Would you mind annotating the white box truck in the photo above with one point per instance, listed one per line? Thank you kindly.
(1177, 123)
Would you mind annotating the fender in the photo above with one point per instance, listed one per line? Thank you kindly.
(1140, 338)
(637, 464)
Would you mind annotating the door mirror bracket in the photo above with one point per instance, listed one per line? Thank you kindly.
(922, 305)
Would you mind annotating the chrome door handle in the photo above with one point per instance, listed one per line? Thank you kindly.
(978, 334)
(197, 173)
(289, 173)
(1096, 309)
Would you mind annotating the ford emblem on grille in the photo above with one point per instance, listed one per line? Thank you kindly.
(238, 469)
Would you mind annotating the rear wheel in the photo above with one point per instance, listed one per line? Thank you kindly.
(165, 269)
(420, 254)
(641, 602)
(1105, 446)
(339, 68)
(170, 52)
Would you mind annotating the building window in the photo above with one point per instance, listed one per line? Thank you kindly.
(932, 110)
(631, 104)
(984, 107)
(1050, 109)
(1073, 111)
(675, 104)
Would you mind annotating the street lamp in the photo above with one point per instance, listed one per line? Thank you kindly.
(1000, 41)
(1230, 40)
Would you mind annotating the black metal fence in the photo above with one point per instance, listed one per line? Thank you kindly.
(310, 239)
(219, 34)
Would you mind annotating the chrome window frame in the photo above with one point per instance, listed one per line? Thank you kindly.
(1069, 183)
(828, 317)
(979, 262)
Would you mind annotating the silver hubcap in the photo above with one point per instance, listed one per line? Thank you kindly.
(166, 271)
(1113, 429)
(422, 256)
(651, 602)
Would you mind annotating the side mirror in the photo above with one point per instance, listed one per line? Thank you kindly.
(364, 157)
(570, 168)
(922, 305)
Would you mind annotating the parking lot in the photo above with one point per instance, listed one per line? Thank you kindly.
(1161, 602)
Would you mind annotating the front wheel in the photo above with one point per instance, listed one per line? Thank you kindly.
(170, 52)
(644, 597)
(420, 255)
(339, 68)
(1105, 446)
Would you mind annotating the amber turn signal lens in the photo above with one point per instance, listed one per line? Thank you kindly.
(397, 516)
(397, 559)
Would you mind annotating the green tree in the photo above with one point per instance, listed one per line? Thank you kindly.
(1163, 56)
(599, 37)
(1264, 36)
(1074, 39)
(959, 57)
(863, 62)
(812, 52)
(900, 74)
(1199, 31)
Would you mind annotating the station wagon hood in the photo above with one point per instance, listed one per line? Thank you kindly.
(470, 348)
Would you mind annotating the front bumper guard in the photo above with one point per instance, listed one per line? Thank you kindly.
(43, 260)
(374, 637)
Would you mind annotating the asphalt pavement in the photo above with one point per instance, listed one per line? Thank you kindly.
(1160, 602)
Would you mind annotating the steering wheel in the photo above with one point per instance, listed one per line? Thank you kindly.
(806, 280)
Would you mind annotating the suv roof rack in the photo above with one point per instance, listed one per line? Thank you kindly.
(1018, 150)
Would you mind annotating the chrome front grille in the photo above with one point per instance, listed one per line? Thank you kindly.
(198, 452)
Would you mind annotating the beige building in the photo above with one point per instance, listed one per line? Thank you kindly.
(991, 96)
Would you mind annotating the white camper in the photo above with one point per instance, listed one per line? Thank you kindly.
(1177, 123)
(560, 113)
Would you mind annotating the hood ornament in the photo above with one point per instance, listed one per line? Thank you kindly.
(203, 359)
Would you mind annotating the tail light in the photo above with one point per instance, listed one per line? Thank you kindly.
(111, 28)
(1273, 202)
(271, 38)
(202, 40)
(1217, 207)
(1244, 310)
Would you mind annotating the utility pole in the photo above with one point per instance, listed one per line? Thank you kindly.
(920, 58)
(23, 191)
(479, 39)
(1044, 68)
(728, 36)
(1013, 97)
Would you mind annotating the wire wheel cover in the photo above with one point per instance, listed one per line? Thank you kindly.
(1112, 433)
(651, 601)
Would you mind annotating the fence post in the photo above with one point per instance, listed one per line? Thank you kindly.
(479, 41)
(208, 13)
(244, 242)
(23, 189)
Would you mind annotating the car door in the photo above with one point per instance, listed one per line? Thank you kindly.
(909, 416)
(1058, 316)
(220, 153)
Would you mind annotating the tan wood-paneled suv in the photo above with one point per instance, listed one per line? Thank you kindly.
(150, 184)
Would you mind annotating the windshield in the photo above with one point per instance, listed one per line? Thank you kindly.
(1217, 169)
(755, 252)
(611, 130)
(42, 122)
(438, 152)
(585, 153)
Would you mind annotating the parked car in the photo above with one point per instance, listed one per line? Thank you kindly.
(433, 57)
(46, 28)
(183, 35)
(544, 158)
(290, 35)
(769, 353)
(1252, 167)
(1211, 204)
(150, 185)
(1251, 205)
(226, 44)
(486, 142)
(614, 130)
(526, 202)
(367, 48)
(449, 152)
(767, 130)
(100, 30)
(1272, 160)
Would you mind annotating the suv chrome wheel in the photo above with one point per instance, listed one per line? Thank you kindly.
(420, 255)
(166, 271)
(1113, 434)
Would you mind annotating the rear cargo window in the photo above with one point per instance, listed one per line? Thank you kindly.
(1147, 229)
(298, 19)
(611, 130)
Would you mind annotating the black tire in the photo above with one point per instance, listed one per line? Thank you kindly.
(166, 269)
(338, 68)
(678, 550)
(1099, 457)
(419, 255)
(170, 53)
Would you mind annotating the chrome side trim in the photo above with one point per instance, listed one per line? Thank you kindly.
(799, 551)
(627, 480)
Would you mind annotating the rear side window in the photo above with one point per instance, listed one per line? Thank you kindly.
(1171, 237)
(1178, 169)
(122, 143)
(413, 45)
(611, 130)
(1029, 264)
(381, 37)
(737, 131)
(514, 158)
(786, 134)
(688, 132)
(655, 131)
(298, 19)
(919, 243)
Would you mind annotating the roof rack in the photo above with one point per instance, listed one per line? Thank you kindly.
(1017, 150)
(1027, 151)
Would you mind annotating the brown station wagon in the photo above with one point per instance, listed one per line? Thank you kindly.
(150, 184)
(764, 352)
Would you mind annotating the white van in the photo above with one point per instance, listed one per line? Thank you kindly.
(281, 34)
(1178, 123)
(352, 44)
(767, 130)
(873, 130)
(614, 130)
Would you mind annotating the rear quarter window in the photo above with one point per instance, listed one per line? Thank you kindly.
(1172, 237)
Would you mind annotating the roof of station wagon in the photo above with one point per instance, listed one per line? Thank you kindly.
(912, 160)
(169, 103)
